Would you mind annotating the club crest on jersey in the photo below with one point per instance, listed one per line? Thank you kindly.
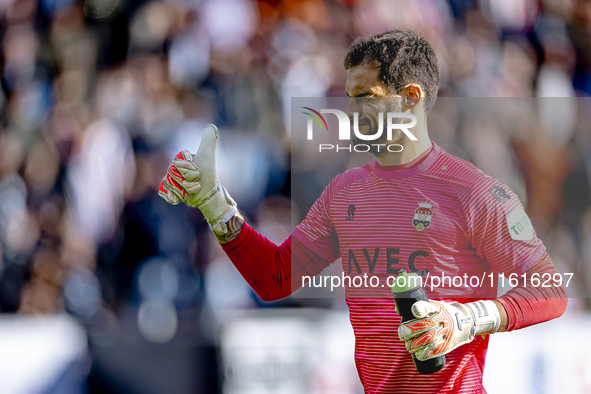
(423, 215)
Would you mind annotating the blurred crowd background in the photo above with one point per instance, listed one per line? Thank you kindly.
(98, 95)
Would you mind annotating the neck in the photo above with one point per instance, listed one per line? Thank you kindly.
(411, 149)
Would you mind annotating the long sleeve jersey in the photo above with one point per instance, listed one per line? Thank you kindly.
(440, 215)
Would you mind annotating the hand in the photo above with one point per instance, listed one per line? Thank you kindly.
(193, 179)
(441, 327)
(190, 177)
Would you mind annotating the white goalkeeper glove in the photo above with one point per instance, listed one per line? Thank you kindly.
(193, 179)
(440, 327)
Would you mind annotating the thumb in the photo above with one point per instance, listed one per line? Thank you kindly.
(422, 309)
(209, 142)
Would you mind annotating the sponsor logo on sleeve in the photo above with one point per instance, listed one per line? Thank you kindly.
(519, 225)
(350, 213)
(500, 194)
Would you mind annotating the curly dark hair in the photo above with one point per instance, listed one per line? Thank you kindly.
(403, 57)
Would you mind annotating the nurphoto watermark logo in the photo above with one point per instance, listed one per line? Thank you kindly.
(392, 120)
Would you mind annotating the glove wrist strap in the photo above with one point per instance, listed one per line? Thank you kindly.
(218, 208)
(485, 315)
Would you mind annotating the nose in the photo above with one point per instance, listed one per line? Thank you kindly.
(352, 107)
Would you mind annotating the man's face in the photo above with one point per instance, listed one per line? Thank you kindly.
(370, 96)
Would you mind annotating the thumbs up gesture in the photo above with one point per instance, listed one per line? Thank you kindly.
(193, 179)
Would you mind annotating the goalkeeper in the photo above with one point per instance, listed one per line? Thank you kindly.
(444, 214)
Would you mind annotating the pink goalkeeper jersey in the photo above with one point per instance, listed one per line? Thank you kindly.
(443, 215)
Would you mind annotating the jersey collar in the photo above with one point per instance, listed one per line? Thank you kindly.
(417, 169)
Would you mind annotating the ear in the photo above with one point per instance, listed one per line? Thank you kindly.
(412, 94)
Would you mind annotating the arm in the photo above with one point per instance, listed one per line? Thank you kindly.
(526, 304)
(440, 327)
(273, 271)
(504, 236)
(268, 268)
